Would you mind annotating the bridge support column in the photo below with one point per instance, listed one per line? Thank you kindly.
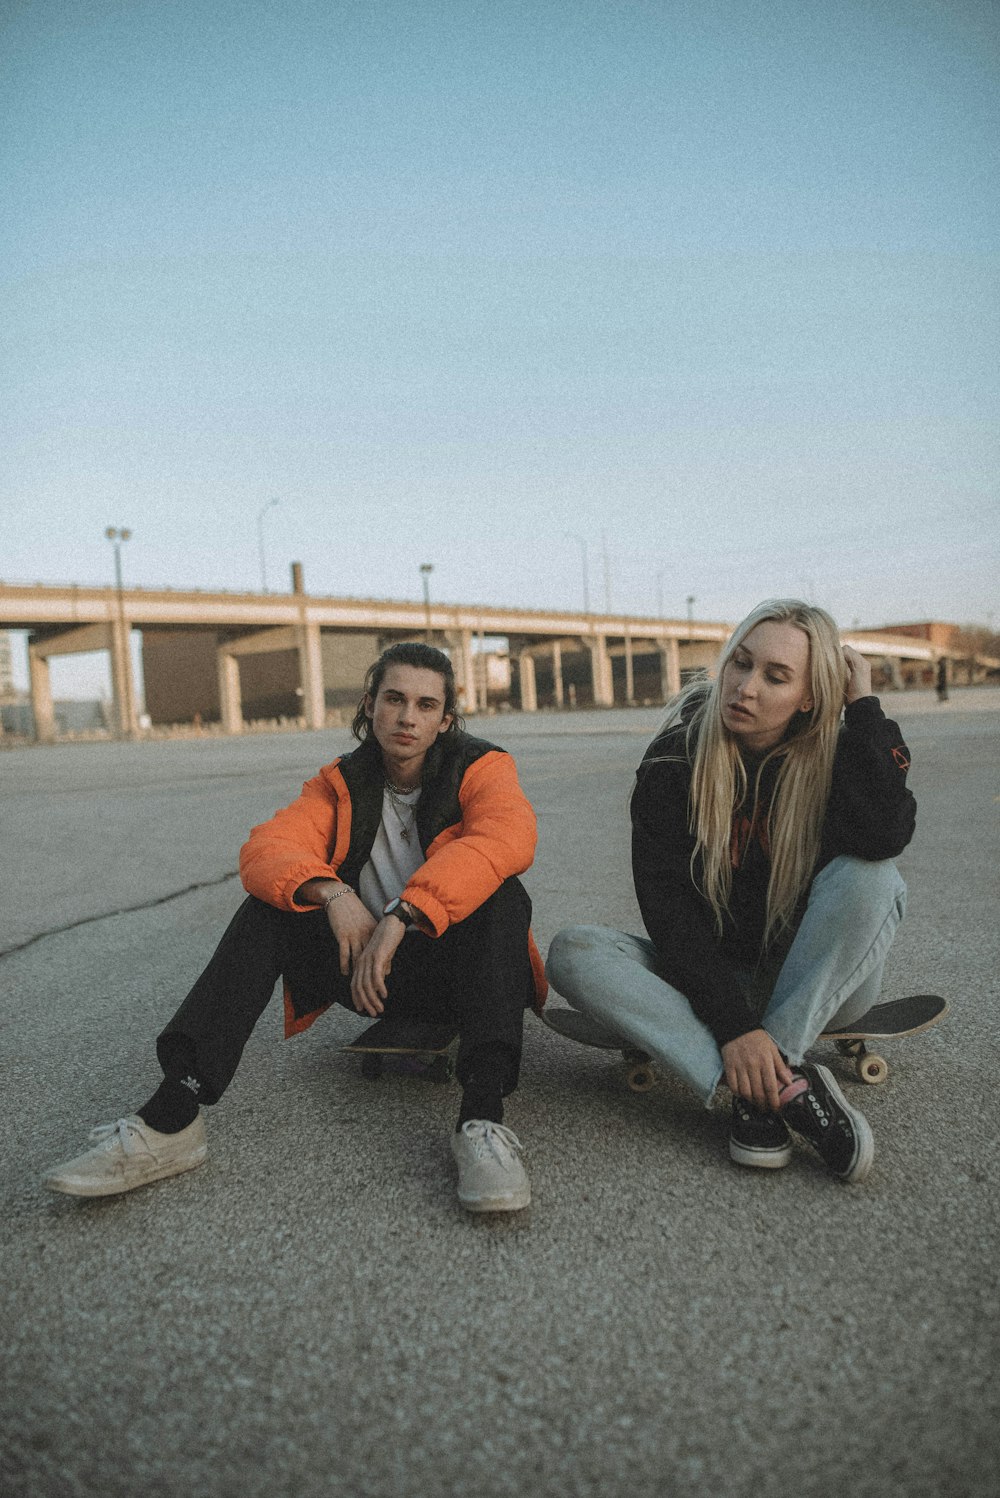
(230, 696)
(600, 670)
(40, 678)
(311, 675)
(526, 676)
(458, 642)
(670, 668)
(467, 672)
(557, 680)
(629, 673)
(122, 684)
(482, 664)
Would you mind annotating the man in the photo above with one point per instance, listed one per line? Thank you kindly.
(388, 886)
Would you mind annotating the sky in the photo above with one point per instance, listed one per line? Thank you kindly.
(678, 299)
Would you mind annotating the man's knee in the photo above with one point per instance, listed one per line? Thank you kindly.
(513, 900)
(505, 915)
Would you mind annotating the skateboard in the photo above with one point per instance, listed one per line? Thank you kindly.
(406, 1046)
(891, 1021)
(640, 1073)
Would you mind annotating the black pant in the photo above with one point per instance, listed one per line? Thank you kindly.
(478, 975)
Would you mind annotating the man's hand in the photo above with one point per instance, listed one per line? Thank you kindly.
(756, 1069)
(859, 678)
(373, 965)
(352, 924)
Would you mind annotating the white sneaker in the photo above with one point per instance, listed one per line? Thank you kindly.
(490, 1176)
(127, 1154)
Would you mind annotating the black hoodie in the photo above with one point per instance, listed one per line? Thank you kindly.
(870, 815)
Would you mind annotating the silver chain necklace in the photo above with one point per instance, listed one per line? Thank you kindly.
(395, 801)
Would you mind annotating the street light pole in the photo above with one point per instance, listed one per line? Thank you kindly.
(426, 568)
(117, 535)
(260, 542)
(690, 604)
(573, 536)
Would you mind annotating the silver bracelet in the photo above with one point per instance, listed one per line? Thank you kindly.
(345, 889)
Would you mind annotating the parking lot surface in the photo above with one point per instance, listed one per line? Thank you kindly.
(312, 1314)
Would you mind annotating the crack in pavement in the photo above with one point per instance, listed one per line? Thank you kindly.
(106, 915)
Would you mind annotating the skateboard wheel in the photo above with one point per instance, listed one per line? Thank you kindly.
(641, 1077)
(371, 1067)
(872, 1069)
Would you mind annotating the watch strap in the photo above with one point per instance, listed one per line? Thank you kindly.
(398, 909)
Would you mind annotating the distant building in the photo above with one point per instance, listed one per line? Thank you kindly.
(933, 631)
(968, 662)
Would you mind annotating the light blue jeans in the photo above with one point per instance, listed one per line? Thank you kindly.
(831, 975)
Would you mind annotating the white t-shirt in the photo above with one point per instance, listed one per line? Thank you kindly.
(396, 853)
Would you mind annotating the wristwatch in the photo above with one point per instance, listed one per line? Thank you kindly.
(399, 910)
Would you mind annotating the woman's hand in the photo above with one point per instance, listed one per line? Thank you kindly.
(374, 965)
(755, 1069)
(859, 675)
(352, 924)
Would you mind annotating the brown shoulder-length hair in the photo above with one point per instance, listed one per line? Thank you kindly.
(424, 658)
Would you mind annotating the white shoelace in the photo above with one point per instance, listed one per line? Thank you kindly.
(125, 1132)
(494, 1139)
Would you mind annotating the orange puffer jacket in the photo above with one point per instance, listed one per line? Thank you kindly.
(475, 824)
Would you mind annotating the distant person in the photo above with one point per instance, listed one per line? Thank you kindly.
(942, 679)
(762, 834)
(389, 887)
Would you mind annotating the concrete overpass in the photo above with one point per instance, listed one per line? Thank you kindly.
(241, 626)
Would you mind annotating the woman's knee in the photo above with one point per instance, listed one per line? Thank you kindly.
(871, 885)
(572, 952)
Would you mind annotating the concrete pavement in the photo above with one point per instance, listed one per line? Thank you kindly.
(311, 1313)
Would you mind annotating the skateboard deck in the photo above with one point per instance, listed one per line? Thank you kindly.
(407, 1046)
(891, 1021)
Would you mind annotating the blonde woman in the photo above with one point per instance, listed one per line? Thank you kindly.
(763, 829)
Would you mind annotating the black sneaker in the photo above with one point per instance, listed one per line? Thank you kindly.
(826, 1120)
(758, 1138)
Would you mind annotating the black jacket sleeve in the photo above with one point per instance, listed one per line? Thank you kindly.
(871, 814)
(679, 921)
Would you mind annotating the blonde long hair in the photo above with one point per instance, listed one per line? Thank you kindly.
(802, 789)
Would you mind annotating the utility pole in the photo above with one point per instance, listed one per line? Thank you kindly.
(426, 568)
(580, 541)
(260, 542)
